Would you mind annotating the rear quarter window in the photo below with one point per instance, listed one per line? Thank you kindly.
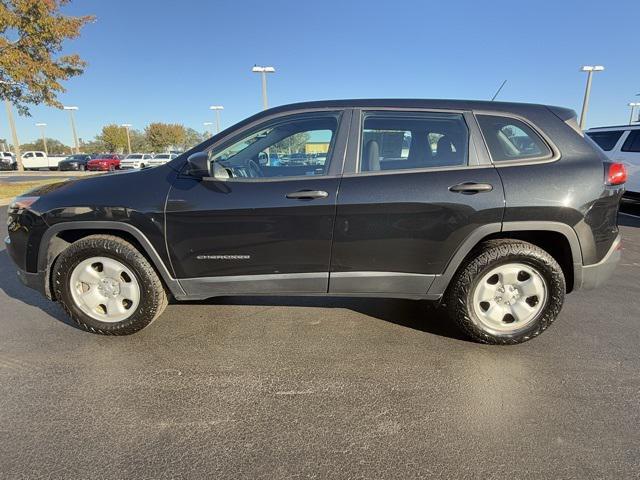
(632, 143)
(606, 140)
(511, 139)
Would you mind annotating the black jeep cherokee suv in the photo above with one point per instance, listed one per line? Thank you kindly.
(496, 210)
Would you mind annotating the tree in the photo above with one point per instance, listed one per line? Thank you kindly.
(138, 141)
(193, 138)
(161, 136)
(113, 137)
(32, 33)
(54, 147)
(94, 146)
(293, 144)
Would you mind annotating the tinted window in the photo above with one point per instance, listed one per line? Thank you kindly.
(40, 155)
(606, 140)
(511, 139)
(398, 141)
(632, 143)
(299, 146)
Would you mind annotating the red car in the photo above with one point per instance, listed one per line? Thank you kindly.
(104, 162)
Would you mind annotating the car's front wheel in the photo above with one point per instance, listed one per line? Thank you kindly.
(508, 292)
(107, 286)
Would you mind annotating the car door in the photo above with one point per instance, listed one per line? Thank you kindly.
(267, 228)
(416, 185)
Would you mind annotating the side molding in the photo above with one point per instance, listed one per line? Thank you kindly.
(268, 284)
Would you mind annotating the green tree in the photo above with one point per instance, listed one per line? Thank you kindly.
(161, 136)
(94, 146)
(113, 137)
(32, 33)
(54, 147)
(138, 141)
(293, 144)
(192, 138)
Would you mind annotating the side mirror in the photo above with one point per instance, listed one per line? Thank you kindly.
(199, 164)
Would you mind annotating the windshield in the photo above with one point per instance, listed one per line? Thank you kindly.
(133, 157)
(162, 156)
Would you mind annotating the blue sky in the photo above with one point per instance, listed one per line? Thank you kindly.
(169, 60)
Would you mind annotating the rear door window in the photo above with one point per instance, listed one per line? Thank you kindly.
(511, 139)
(401, 141)
(606, 140)
(632, 143)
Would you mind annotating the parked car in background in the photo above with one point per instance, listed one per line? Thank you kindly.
(36, 160)
(136, 160)
(104, 162)
(8, 161)
(622, 144)
(161, 159)
(77, 161)
(495, 227)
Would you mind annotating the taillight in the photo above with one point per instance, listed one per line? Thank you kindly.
(617, 174)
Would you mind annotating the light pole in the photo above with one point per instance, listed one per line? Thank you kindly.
(12, 127)
(587, 92)
(263, 71)
(14, 135)
(206, 128)
(73, 127)
(217, 109)
(127, 126)
(633, 106)
(43, 127)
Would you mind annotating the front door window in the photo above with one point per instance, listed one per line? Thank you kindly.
(293, 147)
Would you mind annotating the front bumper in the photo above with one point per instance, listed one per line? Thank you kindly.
(592, 276)
(65, 167)
(34, 280)
(37, 281)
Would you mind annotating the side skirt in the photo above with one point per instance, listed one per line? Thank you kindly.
(350, 284)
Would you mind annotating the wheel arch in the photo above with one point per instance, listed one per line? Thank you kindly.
(58, 237)
(558, 239)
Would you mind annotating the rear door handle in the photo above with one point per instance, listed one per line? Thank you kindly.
(308, 194)
(470, 188)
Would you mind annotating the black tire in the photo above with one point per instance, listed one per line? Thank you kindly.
(153, 296)
(487, 256)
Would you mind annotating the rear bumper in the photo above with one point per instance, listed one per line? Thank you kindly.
(593, 276)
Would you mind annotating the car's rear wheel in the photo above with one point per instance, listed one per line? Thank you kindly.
(508, 292)
(107, 286)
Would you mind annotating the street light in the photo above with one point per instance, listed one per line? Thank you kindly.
(43, 127)
(263, 71)
(633, 106)
(217, 109)
(73, 127)
(206, 125)
(587, 92)
(12, 127)
(127, 126)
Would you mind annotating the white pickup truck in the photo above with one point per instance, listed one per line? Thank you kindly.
(35, 160)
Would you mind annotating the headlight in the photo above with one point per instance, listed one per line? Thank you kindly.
(22, 202)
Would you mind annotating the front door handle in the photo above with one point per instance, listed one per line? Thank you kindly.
(470, 188)
(308, 194)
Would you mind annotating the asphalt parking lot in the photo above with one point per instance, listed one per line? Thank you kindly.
(321, 388)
